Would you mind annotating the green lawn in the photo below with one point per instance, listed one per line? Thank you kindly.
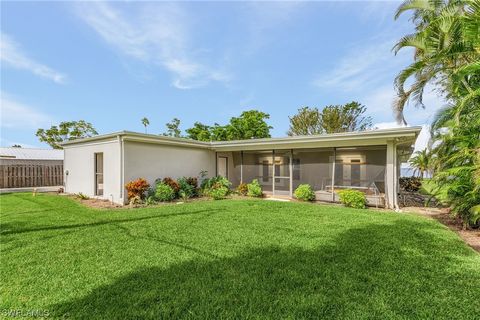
(231, 259)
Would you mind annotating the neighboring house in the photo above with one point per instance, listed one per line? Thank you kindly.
(369, 161)
(30, 167)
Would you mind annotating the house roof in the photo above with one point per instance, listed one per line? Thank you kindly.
(360, 138)
(31, 154)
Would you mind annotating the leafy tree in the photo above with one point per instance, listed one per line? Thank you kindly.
(66, 131)
(345, 118)
(332, 119)
(250, 125)
(199, 131)
(446, 43)
(16, 146)
(305, 122)
(422, 162)
(145, 123)
(173, 128)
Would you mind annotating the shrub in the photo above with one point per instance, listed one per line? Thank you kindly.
(137, 188)
(208, 184)
(135, 201)
(410, 184)
(172, 183)
(242, 189)
(164, 192)
(218, 192)
(353, 198)
(187, 187)
(304, 192)
(151, 200)
(254, 189)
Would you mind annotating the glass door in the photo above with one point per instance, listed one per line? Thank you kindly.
(99, 174)
(281, 173)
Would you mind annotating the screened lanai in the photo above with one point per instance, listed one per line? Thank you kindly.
(280, 171)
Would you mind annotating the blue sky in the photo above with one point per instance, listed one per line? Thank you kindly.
(113, 63)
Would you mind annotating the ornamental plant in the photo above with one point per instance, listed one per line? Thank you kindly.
(304, 192)
(164, 192)
(137, 188)
(218, 192)
(353, 198)
(254, 189)
(242, 189)
(172, 183)
(187, 187)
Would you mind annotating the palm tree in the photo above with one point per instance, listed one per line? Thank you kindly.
(145, 123)
(421, 161)
(443, 47)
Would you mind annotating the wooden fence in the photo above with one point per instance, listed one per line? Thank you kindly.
(28, 175)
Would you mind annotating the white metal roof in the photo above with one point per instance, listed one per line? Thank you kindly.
(31, 154)
(369, 137)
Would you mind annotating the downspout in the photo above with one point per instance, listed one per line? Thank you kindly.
(333, 173)
(241, 166)
(122, 167)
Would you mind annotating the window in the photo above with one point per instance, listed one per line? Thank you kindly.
(99, 174)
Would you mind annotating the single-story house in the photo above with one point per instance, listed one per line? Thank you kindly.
(369, 161)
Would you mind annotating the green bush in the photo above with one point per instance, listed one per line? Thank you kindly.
(151, 200)
(353, 198)
(186, 188)
(219, 192)
(164, 192)
(242, 189)
(208, 184)
(254, 189)
(304, 192)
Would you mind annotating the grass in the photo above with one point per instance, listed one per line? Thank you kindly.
(231, 259)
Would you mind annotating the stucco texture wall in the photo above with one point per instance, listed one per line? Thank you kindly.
(152, 161)
(79, 162)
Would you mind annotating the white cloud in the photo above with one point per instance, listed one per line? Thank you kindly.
(12, 55)
(19, 116)
(363, 66)
(156, 34)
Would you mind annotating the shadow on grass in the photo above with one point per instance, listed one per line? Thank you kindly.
(19, 228)
(400, 270)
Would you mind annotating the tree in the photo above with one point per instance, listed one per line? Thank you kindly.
(345, 118)
(66, 131)
(173, 128)
(421, 162)
(446, 42)
(199, 131)
(305, 122)
(443, 42)
(332, 119)
(145, 123)
(16, 146)
(250, 125)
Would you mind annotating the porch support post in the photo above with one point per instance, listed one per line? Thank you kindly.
(291, 173)
(333, 173)
(216, 163)
(241, 166)
(273, 172)
(391, 176)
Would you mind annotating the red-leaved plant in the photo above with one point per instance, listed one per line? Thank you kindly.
(137, 188)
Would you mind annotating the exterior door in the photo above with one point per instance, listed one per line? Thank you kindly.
(281, 172)
(222, 167)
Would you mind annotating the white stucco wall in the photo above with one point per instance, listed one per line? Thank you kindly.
(152, 161)
(79, 162)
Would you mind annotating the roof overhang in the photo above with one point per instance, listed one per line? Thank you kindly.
(405, 135)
